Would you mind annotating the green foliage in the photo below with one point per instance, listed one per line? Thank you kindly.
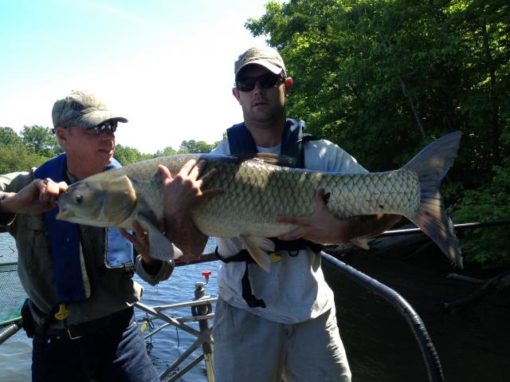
(40, 140)
(9, 137)
(486, 204)
(14, 153)
(165, 152)
(193, 146)
(126, 155)
(382, 77)
(18, 158)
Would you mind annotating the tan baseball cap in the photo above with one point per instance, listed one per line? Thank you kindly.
(81, 109)
(264, 56)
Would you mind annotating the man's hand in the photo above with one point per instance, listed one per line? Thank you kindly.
(181, 194)
(39, 196)
(320, 227)
(140, 241)
(324, 228)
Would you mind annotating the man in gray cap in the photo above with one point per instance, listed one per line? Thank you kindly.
(280, 325)
(78, 278)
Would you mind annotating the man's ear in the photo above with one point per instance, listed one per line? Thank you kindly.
(289, 82)
(235, 93)
(61, 135)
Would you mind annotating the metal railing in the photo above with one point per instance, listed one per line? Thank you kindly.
(201, 312)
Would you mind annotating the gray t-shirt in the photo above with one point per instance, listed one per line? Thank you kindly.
(295, 289)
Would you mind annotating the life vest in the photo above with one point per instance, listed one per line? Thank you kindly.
(242, 144)
(65, 241)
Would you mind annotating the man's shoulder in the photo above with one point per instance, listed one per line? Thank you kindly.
(325, 155)
(322, 147)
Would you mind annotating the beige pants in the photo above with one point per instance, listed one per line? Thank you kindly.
(248, 348)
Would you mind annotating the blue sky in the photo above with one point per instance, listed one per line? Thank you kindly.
(166, 65)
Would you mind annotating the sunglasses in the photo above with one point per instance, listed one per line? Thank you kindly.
(107, 126)
(266, 81)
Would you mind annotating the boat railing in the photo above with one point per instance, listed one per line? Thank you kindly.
(201, 308)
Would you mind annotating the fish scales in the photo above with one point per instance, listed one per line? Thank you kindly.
(255, 193)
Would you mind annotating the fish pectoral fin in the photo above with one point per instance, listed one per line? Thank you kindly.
(258, 248)
(159, 246)
(361, 243)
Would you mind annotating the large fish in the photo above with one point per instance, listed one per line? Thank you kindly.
(256, 192)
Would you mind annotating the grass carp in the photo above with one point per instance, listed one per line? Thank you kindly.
(255, 192)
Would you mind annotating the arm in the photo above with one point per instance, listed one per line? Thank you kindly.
(181, 194)
(324, 228)
(38, 196)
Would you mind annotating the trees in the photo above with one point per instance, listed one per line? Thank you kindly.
(14, 155)
(392, 74)
(40, 140)
(193, 146)
(126, 155)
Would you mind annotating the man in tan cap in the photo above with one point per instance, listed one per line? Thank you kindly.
(78, 278)
(279, 325)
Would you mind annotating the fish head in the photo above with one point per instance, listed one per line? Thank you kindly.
(99, 201)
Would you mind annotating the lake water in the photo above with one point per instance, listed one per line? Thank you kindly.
(167, 345)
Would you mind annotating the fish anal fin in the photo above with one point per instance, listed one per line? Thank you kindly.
(258, 248)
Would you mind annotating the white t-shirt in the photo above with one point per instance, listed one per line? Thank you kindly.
(295, 289)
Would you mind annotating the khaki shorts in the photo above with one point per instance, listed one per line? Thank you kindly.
(249, 348)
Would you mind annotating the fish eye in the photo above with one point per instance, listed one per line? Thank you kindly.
(79, 199)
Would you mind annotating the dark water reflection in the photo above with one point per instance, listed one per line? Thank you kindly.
(473, 344)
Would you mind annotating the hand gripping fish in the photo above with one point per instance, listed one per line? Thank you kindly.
(256, 192)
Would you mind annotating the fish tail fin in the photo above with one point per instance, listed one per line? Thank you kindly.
(431, 165)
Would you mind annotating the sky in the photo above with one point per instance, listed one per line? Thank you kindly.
(165, 65)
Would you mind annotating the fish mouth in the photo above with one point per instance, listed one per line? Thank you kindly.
(64, 214)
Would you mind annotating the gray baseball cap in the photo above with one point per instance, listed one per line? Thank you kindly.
(81, 109)
(264, 56)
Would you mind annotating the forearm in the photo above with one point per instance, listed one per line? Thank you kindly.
(186, 236)
(6, 217)
(9, 183)
(369, 226)
(8, 203)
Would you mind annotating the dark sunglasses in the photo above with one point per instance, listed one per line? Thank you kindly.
(266, 81)
(107, 126)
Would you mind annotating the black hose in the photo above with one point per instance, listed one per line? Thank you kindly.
(428, 351)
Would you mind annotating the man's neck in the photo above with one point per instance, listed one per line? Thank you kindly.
(80, 170)
(266, 134)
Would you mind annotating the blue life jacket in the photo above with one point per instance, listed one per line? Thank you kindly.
(65, 241)
(241, 143)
